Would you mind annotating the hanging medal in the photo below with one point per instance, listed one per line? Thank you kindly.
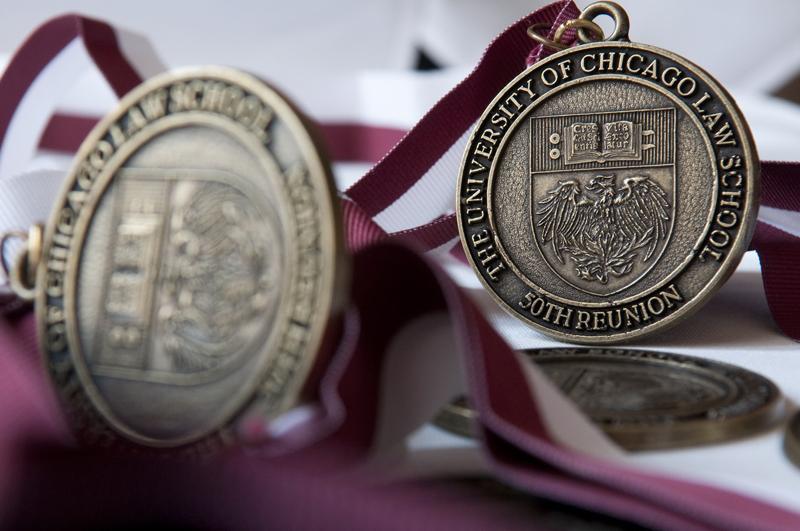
(609, 190)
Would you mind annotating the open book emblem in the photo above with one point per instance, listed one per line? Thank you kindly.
(593, 142)
(603, 195)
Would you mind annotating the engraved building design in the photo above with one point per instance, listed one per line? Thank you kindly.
(192, 281)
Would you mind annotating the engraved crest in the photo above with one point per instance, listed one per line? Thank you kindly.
(602, 195)
(193, 268)
(620, 140)
(621, 390)
(191, 283)
(603, 228)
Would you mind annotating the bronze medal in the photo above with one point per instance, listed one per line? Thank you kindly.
(608, 191)
(191, 264)
(791, 440)
(648, 400)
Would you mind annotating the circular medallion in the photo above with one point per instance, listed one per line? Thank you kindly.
(607, 192)
(192, 263)
(650, 400)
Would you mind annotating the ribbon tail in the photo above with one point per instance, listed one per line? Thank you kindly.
(779, 254)
(777, 242)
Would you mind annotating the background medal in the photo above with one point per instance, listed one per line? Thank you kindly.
(191, 265)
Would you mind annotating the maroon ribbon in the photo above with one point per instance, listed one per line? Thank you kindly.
(779, 251)
(45, 43)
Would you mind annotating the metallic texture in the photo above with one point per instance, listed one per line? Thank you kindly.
(5, 239)
(613, 10)
(21, 275)
(555, 43)
(791, 440)
(594, 30)
(587, 30)
(648, 400)
(533, 33)
(607, 192)
(191, 265)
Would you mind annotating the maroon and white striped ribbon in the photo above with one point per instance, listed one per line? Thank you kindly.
(48, 61)
(410, 333)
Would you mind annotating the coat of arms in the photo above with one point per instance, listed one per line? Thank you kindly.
(602, 195)
(192, 283)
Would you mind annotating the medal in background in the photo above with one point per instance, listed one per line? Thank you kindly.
(646, 400)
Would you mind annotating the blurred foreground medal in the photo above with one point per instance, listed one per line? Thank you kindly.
(609, 190)
(191, 264)
(648, 400)
(791, 440)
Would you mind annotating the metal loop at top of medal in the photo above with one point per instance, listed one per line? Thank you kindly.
(612, 9)
(587, 29)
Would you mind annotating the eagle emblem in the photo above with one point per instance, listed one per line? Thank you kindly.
(604, 228)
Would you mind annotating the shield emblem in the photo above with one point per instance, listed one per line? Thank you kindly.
(210, 295)
(603, 195)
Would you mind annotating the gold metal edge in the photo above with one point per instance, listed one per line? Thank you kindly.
(737, 250)
(459, 420)
(791, 443)
(333, 299)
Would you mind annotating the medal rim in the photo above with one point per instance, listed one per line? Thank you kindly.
(331, 296)
(727, 266)
(791, 440)
(646, 436)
